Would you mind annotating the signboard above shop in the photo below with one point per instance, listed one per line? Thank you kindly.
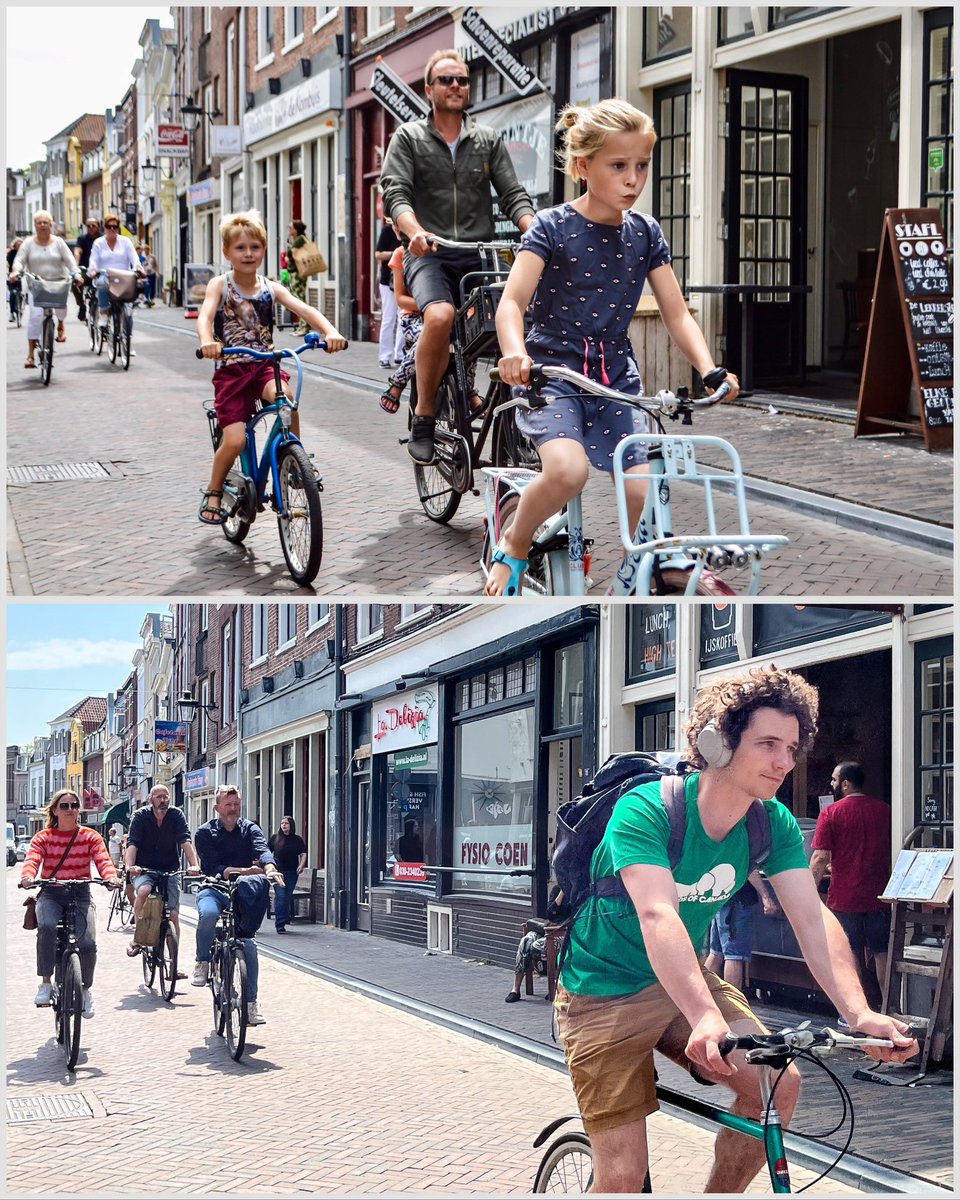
(407, 719)
(312, 98)
(495, 47)
(173, 141)
(400, 101)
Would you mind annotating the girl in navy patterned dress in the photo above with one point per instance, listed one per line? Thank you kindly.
(584, 265)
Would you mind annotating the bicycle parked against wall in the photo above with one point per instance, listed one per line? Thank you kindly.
(567, 1164)
(67, 997)
(459, 444)
(161, 958)
(282, 478)
(657, 561)
(48, 295)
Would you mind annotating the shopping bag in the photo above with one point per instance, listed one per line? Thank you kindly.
(309, 261)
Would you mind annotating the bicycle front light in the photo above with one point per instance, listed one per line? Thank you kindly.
(286, 415)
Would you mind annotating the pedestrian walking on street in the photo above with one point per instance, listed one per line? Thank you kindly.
(297, 237)
(387, 242)
(730, 938)
(290, 851)
(65, 849)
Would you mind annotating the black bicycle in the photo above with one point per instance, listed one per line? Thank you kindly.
(161, 958)
(458, 443)
(15, 297)
(67, 998)
(120, 906)
(228, 973)
(49, 295)
(123, 290)
(92, 307)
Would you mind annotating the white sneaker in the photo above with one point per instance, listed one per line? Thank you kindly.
(88, 1007)
(254, 1015)
(133, 353)
(201, 974)
(44, 996)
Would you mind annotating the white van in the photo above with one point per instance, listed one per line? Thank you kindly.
(11, 845)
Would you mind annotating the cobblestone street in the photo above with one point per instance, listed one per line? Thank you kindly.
(337, 1093)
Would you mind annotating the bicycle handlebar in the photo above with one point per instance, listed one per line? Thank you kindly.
(760, 1046)
(312, 341)
(54, 882)
(436, 240)
(664, 402)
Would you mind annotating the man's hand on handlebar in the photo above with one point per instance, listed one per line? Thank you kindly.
(211, 349)
(421, 244)
(703, 1045)
(876, 1024)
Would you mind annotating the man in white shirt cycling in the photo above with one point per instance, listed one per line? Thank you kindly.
(112, 252)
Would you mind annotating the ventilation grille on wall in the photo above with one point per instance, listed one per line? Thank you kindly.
(439, 929)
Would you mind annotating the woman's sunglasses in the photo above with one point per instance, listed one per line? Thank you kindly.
(69, 804)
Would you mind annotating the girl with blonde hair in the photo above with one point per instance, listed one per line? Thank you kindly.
(583, 265)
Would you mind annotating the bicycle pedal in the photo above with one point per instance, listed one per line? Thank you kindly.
(403, 441)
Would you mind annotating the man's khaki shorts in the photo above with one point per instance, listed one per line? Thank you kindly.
(609, 1042)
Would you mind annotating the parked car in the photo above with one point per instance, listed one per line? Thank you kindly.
(22, 848)
(11, 845)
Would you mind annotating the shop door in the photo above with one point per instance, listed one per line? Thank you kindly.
(361, 855)
(565, 783)
(766, 220)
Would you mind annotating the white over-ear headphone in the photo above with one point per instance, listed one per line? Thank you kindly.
(712, 746)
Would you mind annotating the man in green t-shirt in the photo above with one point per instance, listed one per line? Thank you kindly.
(630, 986)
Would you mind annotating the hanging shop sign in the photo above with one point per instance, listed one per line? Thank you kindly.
(225, 140)
(171, 736)
(400, 101)
(207, 191)
(173, 141)
(497, 51)
(527, 130)
(585, 65)
(408, 719)
(309, 99)
(195, 781)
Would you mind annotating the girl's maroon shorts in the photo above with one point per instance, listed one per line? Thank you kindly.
(238, 387)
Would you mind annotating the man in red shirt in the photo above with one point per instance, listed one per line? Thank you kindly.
(853, 839)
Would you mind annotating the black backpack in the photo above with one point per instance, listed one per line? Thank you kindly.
(581, 824)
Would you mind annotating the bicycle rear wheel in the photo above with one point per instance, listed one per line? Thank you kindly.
(125, 349)
(114, 335)
(439, 496)
(301, 522)
(18, 310)
(217, 975)
(93, 330)
(235, 985)
(46, 364)
(71, 1006)
(567, 1166)
(168, 951)
(509, 447)
(675, 579)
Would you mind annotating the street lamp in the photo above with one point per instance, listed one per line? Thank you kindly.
(189, 704)
(191, 114)
(146, 756)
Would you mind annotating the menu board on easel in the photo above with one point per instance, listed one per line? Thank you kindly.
(910, 335)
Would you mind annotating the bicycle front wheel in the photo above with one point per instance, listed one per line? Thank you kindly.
(169, 952)
(301, 521)
(114, 334)
(439, 496)
(46, 366)
(675, 580)
(567, 1167)
(539, 579)
(125, 909)
(94, 331)
(71, 1006)
(125, 349)
(509, 447)
(18, 311)
(235, 985)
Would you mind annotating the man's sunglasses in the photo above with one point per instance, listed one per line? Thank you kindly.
(69, 804)
(450, 80)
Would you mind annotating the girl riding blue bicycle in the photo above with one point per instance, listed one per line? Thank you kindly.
(583, 265)
(238, 310)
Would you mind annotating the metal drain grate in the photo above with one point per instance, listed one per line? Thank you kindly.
(57, 473)
(47, 1108)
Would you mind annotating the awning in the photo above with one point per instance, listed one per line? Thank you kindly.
(119, 812)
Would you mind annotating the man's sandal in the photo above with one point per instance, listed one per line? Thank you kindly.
(390, 400)
(517, 567)
(208, 514)
(29, 365)
(133, 950)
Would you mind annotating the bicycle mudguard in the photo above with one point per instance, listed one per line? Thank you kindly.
(553, 1127)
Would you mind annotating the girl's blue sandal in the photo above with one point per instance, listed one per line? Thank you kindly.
(517, 567)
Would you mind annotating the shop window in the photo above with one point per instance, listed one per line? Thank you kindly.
(410, 840)
(287, 621)
(794, 13)
(495, 685)
(493, 803)
(718, 634)
(777, 626)
(735, 23)
(937, 174)
(264, 33)
(657, 727)
(666, 32)
(369, 621)
(671, 173)
(316, 613)
(515, 679)
(651, 641)
(259, 616)
(934, 753)
(478, 691)
(568, 687)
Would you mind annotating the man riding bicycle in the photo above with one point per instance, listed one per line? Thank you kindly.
(631, 981)
(112, 253)
(157, 835)
(234, 848)
(436, 179)
(81, 252)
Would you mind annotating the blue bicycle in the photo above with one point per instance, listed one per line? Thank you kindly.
(282, 477)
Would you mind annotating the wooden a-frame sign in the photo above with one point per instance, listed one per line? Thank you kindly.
(910, 335)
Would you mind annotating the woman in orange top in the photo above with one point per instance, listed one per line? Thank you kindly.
(46, 850)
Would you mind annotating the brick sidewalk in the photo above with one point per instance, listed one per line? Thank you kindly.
(337, 1094)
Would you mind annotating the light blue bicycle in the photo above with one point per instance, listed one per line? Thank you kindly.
(282, 477)
(657, 562)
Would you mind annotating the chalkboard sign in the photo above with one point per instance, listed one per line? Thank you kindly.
(910, 335)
